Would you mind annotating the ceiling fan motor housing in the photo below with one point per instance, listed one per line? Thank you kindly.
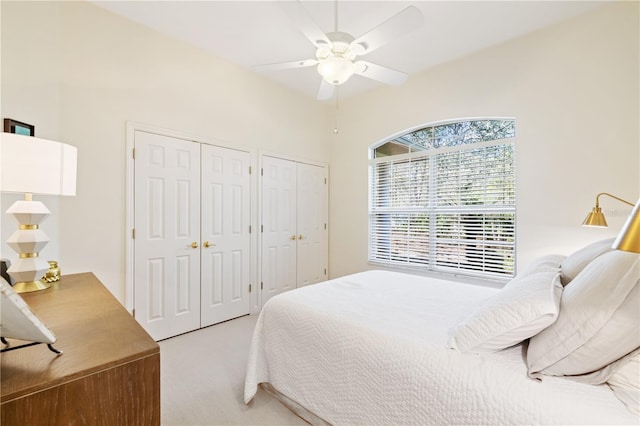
(340, 46)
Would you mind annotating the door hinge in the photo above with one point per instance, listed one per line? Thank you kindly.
(249, 228)
(133, 313)
(261, 228)
(261, 172)
(325, 181)
(249, 169)
(249, 288)
(325, 226)
(325, 271)
(134, 153)
(133, 233)
(261, 285)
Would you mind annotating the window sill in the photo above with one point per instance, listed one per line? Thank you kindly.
(464, 279)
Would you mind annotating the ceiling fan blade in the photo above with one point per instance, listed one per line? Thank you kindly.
(380, 73)
(305, 24)
(285, 65)
(403, 23)
(325, 91)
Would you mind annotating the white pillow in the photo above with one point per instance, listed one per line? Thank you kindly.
(625, 383)
(549, 262)
(622, 376)
(576, 262)
(526, 305)
(598, 320)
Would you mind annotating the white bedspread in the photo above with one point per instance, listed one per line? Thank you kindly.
(370, 348)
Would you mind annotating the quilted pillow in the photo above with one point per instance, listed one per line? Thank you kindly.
(526, 305)
(549, 262)
(625, 383)
(598, 320)
(577, 261)
(622, 376)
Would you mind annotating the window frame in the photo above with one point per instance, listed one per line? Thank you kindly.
(433, 209)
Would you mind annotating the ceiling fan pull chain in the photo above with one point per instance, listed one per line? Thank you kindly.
(335, 127)
(335, 12)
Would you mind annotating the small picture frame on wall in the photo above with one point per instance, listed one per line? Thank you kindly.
(18, 127)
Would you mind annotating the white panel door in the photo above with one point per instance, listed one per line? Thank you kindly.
(225, 239)
(167, 224)
(311, 224)
(278, 226)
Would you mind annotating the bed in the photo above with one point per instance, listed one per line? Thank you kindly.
(377, 348)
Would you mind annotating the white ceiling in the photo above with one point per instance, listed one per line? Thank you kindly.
(250, 33)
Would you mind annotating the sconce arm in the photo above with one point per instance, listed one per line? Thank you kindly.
(612, 196)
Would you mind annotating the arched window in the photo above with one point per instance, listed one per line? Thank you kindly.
(442, 198)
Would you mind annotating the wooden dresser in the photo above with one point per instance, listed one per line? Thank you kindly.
(108, 374)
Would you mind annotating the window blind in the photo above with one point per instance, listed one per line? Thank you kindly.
(450, 209)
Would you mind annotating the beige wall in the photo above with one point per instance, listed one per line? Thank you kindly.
(79, 73)
(573, 90)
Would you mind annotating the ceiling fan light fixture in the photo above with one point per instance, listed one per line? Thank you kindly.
(336, 70)
(336, 52)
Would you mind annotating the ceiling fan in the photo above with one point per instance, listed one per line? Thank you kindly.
(336, 52)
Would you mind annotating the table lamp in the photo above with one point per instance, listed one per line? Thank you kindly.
(32, 165)
(629, 237)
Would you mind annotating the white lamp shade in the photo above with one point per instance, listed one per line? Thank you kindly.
(37, 166)
(336, 70)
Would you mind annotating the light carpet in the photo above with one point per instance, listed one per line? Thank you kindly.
(202, 379)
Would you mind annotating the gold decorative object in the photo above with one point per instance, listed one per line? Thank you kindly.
(53, 274)
(629, 238)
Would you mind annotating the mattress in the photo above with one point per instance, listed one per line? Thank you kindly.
(370, 348)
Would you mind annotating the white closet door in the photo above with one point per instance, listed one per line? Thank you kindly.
(167, 223)
(311, 224)
(278, 226)
(225, 230)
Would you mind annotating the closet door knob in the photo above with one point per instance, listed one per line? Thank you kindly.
(293, 237)
(299, 237)
(207, 244)
(194, 245)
